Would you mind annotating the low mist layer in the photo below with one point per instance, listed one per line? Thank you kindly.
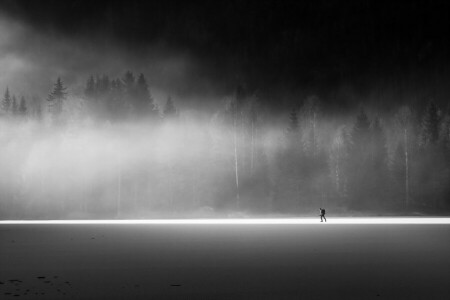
(114, 153)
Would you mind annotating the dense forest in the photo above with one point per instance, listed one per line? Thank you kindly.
(113, 152)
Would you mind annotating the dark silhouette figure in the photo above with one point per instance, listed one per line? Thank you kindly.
(322, 214)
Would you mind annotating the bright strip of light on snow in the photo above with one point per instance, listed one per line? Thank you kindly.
(290, 221)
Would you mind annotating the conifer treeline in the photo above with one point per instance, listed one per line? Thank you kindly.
(397, 163)
(10, 105)
(104, 99)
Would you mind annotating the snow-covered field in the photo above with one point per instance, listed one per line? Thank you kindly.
(304, 259)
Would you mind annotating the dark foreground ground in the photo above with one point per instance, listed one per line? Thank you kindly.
(308, 261)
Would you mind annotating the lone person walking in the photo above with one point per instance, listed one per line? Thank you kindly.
(322, 214)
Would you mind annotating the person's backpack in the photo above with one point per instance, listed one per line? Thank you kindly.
(323, 211)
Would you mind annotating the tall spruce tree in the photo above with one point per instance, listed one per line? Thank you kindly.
(379, 163)
(56, 99)
(233, 112)
(404, 123)
(359, 179)
(144, 104)
(169, 109)
(378, 144)
(129, 81)
(254, 120)
(444, 133)
(290, 162)
(310, 115)
(117, 106)
(36, 108)
(103, 85)
(444, 139)
(6, 102)
(430, 125)
(22, 106)
(339, 158)
(398, 167)
(90, 89)
(293, 125)
(361, 131)
(129, 89)
(14, 106)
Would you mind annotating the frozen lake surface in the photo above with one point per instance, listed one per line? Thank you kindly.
(373, 258)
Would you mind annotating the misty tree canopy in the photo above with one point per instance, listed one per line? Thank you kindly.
(112, 152)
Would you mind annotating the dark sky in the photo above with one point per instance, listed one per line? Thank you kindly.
(271, 46)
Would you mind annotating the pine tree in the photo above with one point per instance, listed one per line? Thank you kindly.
(397, 167)
(36, 108)
(23, 106)
(430, 125)
(379, 162)
(6, 102)
(14, 106)
(360, 134)
(290, 166)
(129, 82)
(293, 121)
(90, 90)
(232, 110)
(169, 109)
(129, 89)
(404, 122)
(431, 163)
(339, 156)
(240, 95)
(359, 178)
(378, 145)
(444, 139)
(103, 85)
(444, 134)
(310, 115)
(253, 113)
(144, 104)
(56, 99)
(117, 106)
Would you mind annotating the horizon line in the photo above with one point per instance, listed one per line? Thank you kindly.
(235, 221)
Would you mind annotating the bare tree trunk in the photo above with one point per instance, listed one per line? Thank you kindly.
(236, 162)
(194, 199)
(63, 206)
(84, 191)
(135, 192)
(314, 134)
(406, 170)
(119, 190)
(338, 188)
(252, 150)
(171, 186)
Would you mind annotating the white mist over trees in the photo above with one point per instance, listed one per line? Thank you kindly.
(112, 152)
